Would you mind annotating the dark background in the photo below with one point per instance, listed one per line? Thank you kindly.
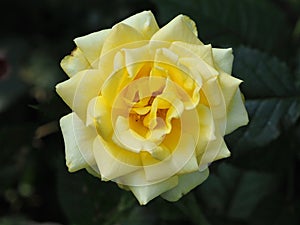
(258, 185)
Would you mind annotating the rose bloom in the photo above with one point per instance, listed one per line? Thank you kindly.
(150, 106)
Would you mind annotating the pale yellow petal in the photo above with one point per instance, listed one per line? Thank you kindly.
(144, 22)
(236, 113)
(186, 183)
(181, 28)
(113, 85)
(214, 96)
(190, 166)
(136, 178)
(229, 86)
(93, 172)
(187, 50)
(207, 128)
(80, 89)
(129, 139)
(223, 152)
(223, 59)
(120, 35)
(112, 161)
(136, 58)
(212, 151)
(91, 44)
(78, 141)
(197, 69)
(213, 92)
(156, 171)
(99, 115)
(144, 194)
(114, 58)
(74, 63)
(179, 83)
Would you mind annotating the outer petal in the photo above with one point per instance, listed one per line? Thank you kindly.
(91, 44)
(237, 114)
(190, 166)
(186, 183)
(143, 22)
(146, 193)
(78, 143)
(213, 150)
(75, 92)
(74, 63)
(229, 86)
(121, 34)
(223, 58)
(181, 28)
(112, 161)
(223, 152)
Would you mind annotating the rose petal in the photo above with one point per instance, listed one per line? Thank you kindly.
(91, 44)
(143, 22)
(223, 59)
(112, 161)
(136, 58)
(74, 63)
(130, 140)
(119, 35)
(190, 166)
(187, 50)
(236, 113)
(75, 93)
(229, 86)
(213, 149)
(113, 86)
(144, 194)
(197, 68)
(181, 28)
(186, 183)
(207, 128)
(216, 101)
(160, 170)
(223, 152)
(78, 143)
(115, 59)
(98, 115)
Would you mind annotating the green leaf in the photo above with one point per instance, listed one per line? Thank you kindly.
(263, 76)
(273, 101)
(268, 118)
(87, 200)
(275, 210)
(190, 207)
(232, 22)
(233, 193)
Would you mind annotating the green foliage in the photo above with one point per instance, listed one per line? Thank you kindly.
(229, 192)
(257, 185)
(273, 101)
(87, 200)
(232, 22)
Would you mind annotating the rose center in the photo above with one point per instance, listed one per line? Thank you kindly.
(145, 118)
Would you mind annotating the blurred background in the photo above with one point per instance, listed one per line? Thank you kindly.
(258, 185)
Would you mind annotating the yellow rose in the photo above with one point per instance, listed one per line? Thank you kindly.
(150, 106)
